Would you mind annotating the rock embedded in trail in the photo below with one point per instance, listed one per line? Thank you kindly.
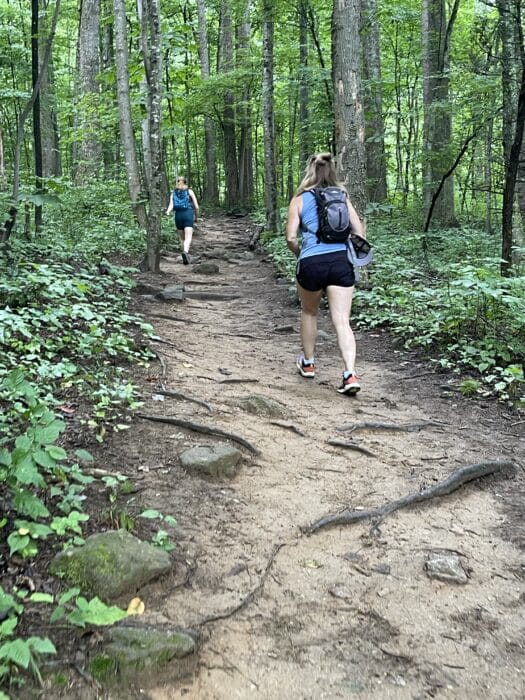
(111, 564)
(176, 293)
(206, 268)
(446, 567)
(132, 650)
(260, 406)
(220, 461)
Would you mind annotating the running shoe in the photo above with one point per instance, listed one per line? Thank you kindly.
(185, 258)
(350, 385)
(305, 370)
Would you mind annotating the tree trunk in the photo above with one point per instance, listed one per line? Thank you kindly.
(153, 67)
(228, 118)
(51, 160)
(270, 174)
(373, 100)
(348, 104)
(89, 153)
(211, 189)
(437, 125)
(512, 75)
(37, 136)
(304, 144)
(245, 125)
(127, 135)
(25, 112)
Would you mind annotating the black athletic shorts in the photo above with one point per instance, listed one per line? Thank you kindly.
(321, 271)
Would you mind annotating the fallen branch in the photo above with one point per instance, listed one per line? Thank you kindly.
(184, 397)
(457, 479)
(239, 380)
(394, 427)
(198, 428)
(351, 446)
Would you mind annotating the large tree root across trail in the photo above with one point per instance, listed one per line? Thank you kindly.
(453, 482)
(198, 428)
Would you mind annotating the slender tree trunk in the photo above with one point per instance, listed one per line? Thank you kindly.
(211, 189)
(245, 125)
(153, 67)
(3, 183)
(437, 118)
(228, 118)
(51, 161)
(304, 144)
(127, 135)
(29, 106)
(270, 175)
(89, 153)
(349, 117)
(37, 135)
(373, 99)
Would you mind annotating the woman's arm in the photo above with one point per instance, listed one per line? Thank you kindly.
(292, 227)
(170, 206)
(195, 203)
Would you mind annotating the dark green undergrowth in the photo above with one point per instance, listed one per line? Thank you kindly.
(69, 346)
(442, 293)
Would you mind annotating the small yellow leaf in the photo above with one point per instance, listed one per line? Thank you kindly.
(311, 564)
(187, 364)
(136, 607)
(23, 531)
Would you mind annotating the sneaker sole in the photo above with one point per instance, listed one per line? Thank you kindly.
(307, 375)
(351, 389)
(185, 259)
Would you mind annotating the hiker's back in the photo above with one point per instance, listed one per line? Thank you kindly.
(309, 228)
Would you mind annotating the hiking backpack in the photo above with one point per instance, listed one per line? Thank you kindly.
(181, 200)
(332, 212)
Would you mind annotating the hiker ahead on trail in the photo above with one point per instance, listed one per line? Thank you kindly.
(323, 214)
(184, 203)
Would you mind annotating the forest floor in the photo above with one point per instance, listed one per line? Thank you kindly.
(346, 611)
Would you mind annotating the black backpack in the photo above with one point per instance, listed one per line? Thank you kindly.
(332, 212)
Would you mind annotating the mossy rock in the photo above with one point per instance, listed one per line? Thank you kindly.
(111, 564)
(132, 651)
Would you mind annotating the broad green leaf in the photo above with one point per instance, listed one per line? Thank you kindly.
(41, 597)
(41, 645)
(17, 651)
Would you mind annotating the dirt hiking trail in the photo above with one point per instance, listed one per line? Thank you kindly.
(347, 611)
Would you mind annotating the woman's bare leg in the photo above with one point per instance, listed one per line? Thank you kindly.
(309, 311)
(340, 303)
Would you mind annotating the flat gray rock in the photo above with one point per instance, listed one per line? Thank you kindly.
(260, 406)
(206, 268)
(445, 566)
(221, 460)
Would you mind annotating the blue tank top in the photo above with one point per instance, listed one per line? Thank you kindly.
(309, 225)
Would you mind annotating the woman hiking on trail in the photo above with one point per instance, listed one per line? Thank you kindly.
(323, 267)
(184, 202)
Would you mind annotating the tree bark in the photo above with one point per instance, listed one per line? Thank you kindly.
(348, 103)
(231, 171)
(211, 189)
(37, 134)
(437, 125)
(373, 100)
(270, 174)
(304, 145)
(89, 152)
(127, 135)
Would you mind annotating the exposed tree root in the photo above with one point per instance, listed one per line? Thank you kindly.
(457, 479)
(351, 446)
(198, 428)
(176, 319)
(162, 363)
(185, 397)
(288, 426)
(250, 597)
(394, 427)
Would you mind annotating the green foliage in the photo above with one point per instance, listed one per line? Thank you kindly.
(161, 538)
(79, 611)
(16, 652)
